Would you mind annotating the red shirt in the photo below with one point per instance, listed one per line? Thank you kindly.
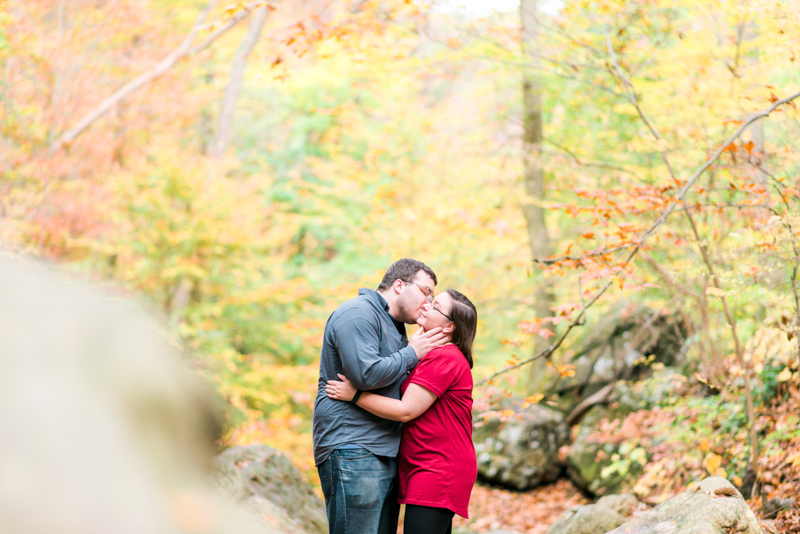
(436, 462)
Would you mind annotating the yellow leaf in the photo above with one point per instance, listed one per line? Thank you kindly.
(720, 472)
(534, 399)
(713, 461)
(785, 375)
(737, 480)
(794, 459)
(715, 291)
(704, 446)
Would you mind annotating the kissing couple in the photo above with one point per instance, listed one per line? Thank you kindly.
(393, 414)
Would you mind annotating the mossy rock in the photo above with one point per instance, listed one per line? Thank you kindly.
(521, 453)
(605, 468)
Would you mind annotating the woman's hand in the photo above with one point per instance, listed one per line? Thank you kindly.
(343, 391)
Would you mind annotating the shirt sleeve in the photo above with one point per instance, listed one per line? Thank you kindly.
(358, 341)
(435, 373)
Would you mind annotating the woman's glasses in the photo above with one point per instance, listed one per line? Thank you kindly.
(440, 311)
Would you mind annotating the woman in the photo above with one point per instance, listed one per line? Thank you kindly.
(436, 462)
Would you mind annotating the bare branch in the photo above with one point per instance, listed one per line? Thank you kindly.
(598, 398)
(183, 51)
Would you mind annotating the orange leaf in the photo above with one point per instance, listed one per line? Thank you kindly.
(588, 235)
(566, 370)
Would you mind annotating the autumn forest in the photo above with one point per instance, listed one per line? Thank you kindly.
(615, 184)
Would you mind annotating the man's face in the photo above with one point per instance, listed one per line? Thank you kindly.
(413, 303)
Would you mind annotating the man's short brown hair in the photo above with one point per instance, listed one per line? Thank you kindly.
(405, 270)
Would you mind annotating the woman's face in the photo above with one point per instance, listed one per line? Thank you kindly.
(437, 315)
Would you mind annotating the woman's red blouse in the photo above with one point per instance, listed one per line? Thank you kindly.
(436, 462)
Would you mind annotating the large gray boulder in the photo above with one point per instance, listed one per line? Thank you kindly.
(713, 507)
(102, 426)
(606, 514)
(618, 345)
(269, 484)
(521, 453)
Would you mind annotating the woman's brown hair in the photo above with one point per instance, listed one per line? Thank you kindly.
(465, 317)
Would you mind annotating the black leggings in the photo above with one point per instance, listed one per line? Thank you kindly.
(427, 520)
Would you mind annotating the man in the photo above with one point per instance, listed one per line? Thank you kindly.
(355, 451)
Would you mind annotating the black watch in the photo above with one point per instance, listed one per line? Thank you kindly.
(354, 400)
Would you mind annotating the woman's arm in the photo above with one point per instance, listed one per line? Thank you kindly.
(415, 401)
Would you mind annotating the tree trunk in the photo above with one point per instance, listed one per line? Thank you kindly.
(222, 137)
(534, 173)
(55, 96)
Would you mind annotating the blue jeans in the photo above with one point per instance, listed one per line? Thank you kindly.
(360, 492)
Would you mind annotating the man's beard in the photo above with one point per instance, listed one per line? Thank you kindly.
(407, 309)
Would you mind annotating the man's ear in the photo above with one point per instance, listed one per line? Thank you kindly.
(398, 286)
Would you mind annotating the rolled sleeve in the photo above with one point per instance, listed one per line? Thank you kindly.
(358, 343)
(409, 356)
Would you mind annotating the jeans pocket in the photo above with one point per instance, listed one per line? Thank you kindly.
(353, 454)
(367, 480)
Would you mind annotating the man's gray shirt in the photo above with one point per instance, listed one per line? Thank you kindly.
(365, 344)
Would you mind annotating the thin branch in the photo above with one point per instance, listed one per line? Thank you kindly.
(578, 321)
(526, 66)
(666, 276)
(639, 242)
(706, 260)
(653, 228)
(575, 158)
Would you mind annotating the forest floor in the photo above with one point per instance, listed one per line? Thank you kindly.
(529, 512)
(781, 471)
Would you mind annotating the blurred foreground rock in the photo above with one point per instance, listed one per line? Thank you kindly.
(714, 507)
(521, 453)
(269, 484)
(102, 428)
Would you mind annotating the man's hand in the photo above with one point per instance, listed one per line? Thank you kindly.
(424, 342)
